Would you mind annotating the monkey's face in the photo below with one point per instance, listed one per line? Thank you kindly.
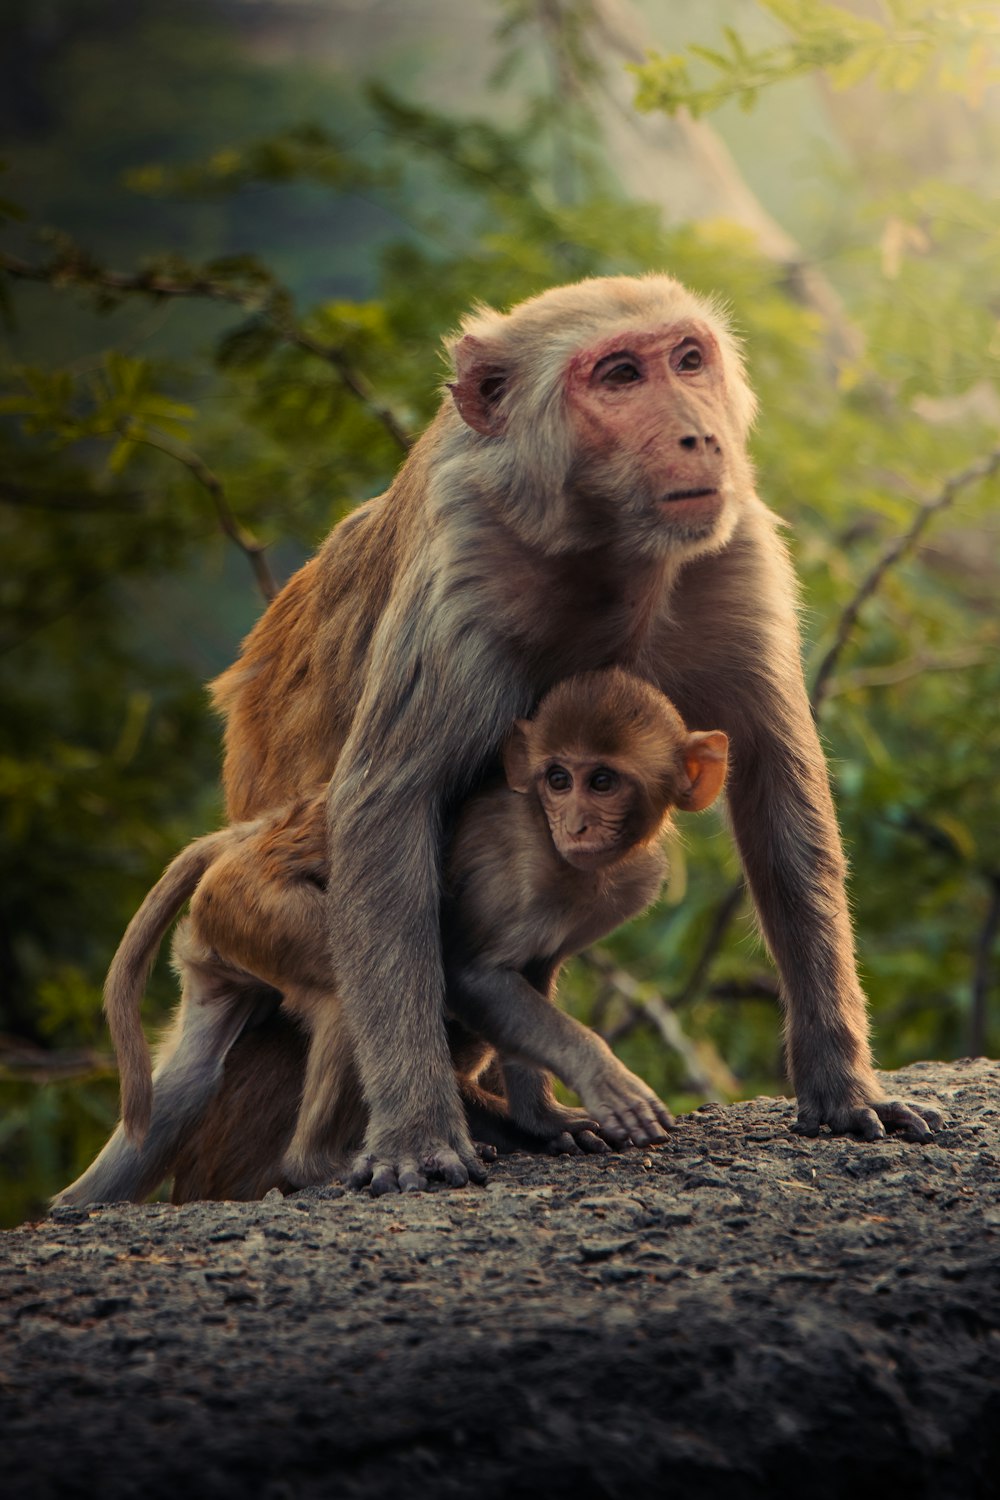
(590, 806)
(658, 450)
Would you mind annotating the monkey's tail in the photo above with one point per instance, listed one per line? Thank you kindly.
(129, 974)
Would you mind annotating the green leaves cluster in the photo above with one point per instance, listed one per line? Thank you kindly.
(916, 45)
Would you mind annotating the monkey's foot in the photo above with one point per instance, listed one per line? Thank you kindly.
(564, 1131)
(626, 1109)
(411, 1173)
(914, 1122)
(306, 1168)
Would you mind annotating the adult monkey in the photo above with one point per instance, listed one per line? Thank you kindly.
(583, 498)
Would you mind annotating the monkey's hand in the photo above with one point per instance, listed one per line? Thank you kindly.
(914, 1122)
(396, 1169)
(625, 1108)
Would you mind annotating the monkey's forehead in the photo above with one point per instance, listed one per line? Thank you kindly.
(573, 315)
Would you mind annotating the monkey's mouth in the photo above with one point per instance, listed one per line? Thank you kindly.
(589, 856)
(675, 495)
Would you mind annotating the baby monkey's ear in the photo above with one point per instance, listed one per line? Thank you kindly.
(516, 759)
(706, 758)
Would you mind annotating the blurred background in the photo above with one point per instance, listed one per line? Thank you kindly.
(233, 233)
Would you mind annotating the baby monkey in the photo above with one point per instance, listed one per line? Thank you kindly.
(539, 867)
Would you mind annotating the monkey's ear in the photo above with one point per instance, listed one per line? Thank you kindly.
(480, 387)
(516, 760)
(706, 757)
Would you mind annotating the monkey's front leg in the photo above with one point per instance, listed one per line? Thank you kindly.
(502, 1006)
(386, 953)
(785, 825)
(728, 655)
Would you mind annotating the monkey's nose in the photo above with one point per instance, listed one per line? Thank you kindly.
(692, 441)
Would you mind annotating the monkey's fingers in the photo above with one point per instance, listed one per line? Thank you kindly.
(485, 1151)
(643, 1126)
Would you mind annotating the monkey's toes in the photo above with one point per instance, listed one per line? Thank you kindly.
(916, 1122)
(382, 1176)
(449, 1167)
(564, 1144)
(871, 1121)
(454, 1169)
(588, 1141)
(862, 1121)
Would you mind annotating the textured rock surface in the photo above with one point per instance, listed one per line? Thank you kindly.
(735, 1314)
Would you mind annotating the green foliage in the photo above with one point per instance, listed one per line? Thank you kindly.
(201, 387)
(916, 45)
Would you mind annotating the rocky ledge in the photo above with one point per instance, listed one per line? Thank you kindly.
(736, 1313)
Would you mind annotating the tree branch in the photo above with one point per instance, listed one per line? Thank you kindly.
(69, 270)
(20, 1058)
(901, 671)
(893, 552)
(248, 544)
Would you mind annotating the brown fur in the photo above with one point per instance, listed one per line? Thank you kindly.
(513, 903)
(558, 515)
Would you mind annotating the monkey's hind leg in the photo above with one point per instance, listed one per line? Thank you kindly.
(217, 1004)
(333, 1113)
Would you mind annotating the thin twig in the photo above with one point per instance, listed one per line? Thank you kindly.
(894, 551)
(248, 544)
(901, 671)
(22, 1059)
(67, 272)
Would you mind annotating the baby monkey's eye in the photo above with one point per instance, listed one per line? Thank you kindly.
(558, 779)
(603, 780)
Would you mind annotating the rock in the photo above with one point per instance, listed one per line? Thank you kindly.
(738, 1313)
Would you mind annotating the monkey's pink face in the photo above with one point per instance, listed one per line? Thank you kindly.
(650, 417)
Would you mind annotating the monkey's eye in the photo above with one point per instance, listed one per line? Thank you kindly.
(618, 369)
(691, 359)
(603, 780)
(558, 779)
